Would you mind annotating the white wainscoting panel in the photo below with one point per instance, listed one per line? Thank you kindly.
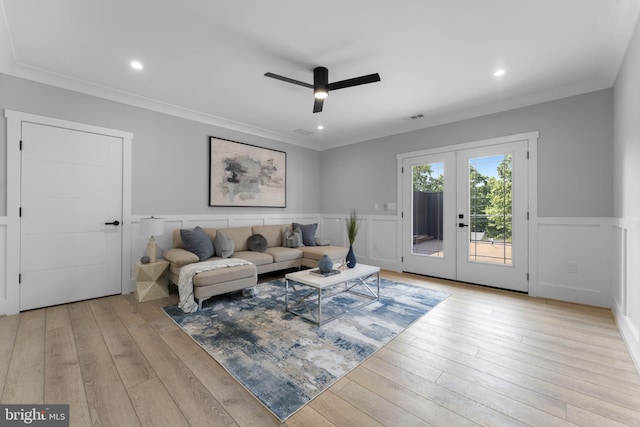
(573, 260)
(626, 287)
(9, 263)
(3, 260)
(382, 249)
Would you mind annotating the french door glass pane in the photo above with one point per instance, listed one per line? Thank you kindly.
(428, 192)
(490, 196)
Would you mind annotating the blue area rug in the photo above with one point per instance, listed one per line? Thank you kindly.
(286, 361)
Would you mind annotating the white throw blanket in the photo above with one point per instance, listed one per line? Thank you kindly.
(185, 280)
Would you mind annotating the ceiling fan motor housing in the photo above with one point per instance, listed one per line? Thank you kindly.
(320, 82)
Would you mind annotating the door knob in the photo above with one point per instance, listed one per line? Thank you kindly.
(116, 222)
(461, 225)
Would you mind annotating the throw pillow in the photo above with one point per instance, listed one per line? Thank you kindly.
(224, 245)
(198, 242)
(308, 233)
(292, 239)
(257, 243)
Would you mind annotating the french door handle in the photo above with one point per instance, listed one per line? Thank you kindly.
(116, 222)
(461, 225)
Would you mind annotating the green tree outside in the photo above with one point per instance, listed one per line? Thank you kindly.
(424, 181)
(500, 196)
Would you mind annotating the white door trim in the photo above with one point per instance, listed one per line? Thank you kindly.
(532, 138)
(10, 302)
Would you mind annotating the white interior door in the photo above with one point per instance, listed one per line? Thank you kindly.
(71, 197)
(465, 215)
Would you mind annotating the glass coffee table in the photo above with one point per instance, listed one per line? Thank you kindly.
(307, 294)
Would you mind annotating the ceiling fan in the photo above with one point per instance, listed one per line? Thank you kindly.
(321, 86)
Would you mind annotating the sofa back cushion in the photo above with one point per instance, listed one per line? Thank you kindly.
(198, 242)
(240, 236)
(273, 234)
(177, 239)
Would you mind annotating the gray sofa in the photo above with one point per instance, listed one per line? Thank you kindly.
(274, 257)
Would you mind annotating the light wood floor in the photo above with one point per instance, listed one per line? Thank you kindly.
(481, 357)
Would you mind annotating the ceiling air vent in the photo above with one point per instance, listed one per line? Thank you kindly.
(303, 132)
(413, 117)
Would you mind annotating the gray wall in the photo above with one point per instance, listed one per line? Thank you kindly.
(170, 154)
(575, 157)
(627, 134)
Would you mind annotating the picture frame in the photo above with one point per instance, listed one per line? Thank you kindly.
(246, 175)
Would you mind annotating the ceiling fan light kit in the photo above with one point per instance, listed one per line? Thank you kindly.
(321, 86)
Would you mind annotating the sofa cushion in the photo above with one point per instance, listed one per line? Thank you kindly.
(273, 234)
(308, 233)
(180, 257)
(177, 240)
(224, 245)
(257, 258)
(291, 239)
(316, 252)
(240, 236)
(257, 243)
(198, 242)
(280, 253)
(221, 275)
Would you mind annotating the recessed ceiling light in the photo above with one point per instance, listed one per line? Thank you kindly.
(320, 127)
(136, 65)
(499, 72)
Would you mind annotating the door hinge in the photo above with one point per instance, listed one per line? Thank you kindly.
(527, 276)
(20, 212)
(401, 259)
(527, 155)
(527, 216)
(402, 214)
(20, 278)
(402, 170)
(20, 145)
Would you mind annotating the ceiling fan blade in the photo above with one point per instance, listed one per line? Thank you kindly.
(356, 81)
(317, 105)
(288, 80)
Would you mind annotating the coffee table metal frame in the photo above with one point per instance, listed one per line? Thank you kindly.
(301, 303)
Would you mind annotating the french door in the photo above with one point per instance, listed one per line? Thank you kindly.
(465, 215)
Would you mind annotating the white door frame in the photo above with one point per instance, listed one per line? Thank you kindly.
(532, 138)
(10, 301)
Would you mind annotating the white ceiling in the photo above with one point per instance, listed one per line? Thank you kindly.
(206, 59)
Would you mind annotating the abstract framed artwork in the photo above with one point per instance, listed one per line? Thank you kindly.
(246, 175)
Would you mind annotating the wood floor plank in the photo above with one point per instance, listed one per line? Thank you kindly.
(547, 373)
(106, 395)
(585, 418)
(25, 378)
(154, 406)
(452, 402)
(447, 411)
(8, 331)
(500, 402)
(308, 416)
(63, 378)
(482, 378)
(128, 359)
(194, 400)
(379, 408)
(619, 360)
(340, 412)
